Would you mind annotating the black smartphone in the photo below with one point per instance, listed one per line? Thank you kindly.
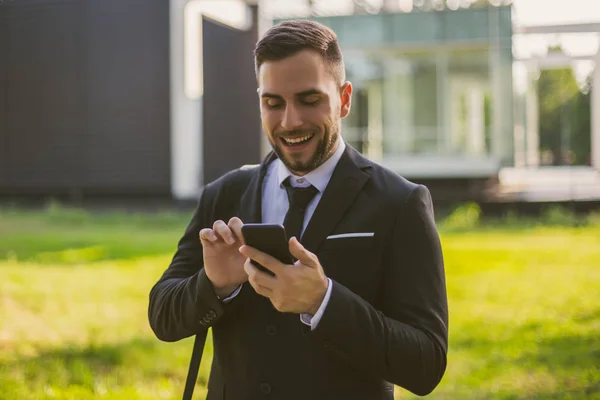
(270, 239)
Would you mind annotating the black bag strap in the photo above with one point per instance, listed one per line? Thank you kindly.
(192, 376)
(244, 175)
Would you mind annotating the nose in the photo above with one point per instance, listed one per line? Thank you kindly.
(291, 119)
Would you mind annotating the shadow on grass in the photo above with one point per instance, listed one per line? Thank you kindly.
(60, 235)
(65, 246)
(139, 361)
(76, 236)
(469, 218)
(85, 253)
(572, 360)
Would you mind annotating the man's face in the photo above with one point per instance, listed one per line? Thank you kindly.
(301, 108)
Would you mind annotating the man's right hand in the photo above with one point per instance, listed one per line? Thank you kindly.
(223, 263)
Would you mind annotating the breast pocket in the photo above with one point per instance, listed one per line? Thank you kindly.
(342, 241)
(353, 262)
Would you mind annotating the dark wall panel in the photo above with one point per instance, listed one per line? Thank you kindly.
(84, 101)
(3, 95)
(127, 64)
(43, 111)
(231, 117)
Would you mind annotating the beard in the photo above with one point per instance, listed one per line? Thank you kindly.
(325, 148)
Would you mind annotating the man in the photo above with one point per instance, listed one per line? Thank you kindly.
(364, 307)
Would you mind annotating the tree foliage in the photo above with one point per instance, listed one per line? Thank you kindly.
(565, 116)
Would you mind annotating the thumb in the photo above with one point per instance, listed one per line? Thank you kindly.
(301, 254)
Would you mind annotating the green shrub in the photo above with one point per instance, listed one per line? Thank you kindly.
(465, 216)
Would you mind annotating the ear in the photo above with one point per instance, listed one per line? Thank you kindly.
(346, 99)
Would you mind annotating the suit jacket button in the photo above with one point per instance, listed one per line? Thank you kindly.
(265, 388)
(271, 330)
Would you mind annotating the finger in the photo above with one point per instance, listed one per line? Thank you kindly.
(208, 235)
(267, 261)
(259, 277)
(223, 230)
(304, 256)
(263, 291)
(259, 280)
(235, 225)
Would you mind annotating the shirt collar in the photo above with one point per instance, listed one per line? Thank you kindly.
(318, 177)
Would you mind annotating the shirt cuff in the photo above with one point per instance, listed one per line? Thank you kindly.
(313, 320)
(232, 295)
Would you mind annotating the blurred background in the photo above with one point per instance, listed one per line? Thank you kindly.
(115, 114)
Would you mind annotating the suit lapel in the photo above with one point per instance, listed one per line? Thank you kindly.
(250, 210)
(345, 184)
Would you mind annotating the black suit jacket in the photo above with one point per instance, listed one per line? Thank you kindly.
(387, 318)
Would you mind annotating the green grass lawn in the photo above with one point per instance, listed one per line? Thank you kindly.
(524, 309)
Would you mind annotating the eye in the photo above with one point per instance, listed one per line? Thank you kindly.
(273, 103)
(311, 100)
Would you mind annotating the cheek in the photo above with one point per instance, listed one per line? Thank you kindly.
(269, 120)
(319, 116)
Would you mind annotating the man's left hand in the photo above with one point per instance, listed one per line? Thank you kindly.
(298, 289)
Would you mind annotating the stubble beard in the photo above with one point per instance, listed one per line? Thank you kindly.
(325, 149)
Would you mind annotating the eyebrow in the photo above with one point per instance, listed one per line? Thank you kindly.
(304, 93)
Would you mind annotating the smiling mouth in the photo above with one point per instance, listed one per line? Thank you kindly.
(298, 140)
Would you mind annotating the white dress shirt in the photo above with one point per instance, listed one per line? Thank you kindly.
(275, 205)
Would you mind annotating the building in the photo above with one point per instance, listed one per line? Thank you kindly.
(432, 93)
(137, 98)
(527, 121)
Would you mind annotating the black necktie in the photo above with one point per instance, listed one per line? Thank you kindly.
(298, 198)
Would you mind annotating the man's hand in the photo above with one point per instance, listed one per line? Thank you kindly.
(298, 288)
(223, 263)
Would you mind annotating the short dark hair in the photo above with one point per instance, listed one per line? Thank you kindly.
(290, 37)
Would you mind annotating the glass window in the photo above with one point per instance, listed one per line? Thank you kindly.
(424, 91)
(436, 102)
(469, 99)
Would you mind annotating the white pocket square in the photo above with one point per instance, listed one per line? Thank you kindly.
(351, 235)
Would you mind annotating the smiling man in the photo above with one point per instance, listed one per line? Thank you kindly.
(364, 306)
(303, 98)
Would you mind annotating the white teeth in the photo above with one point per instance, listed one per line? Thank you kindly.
(298, 140)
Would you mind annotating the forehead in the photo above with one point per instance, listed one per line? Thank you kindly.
(294, 74)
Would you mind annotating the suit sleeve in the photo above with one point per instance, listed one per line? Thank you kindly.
(405, 341)
(183, 301)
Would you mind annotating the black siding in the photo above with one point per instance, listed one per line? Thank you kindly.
(84, 97)
(231, 115)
